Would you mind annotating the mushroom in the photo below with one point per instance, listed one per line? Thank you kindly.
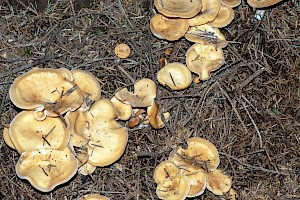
(197, 178)
(94, 197)
(168, 28)
(47, 89)
(7, 139)
(175, 75)
(124, 110)
(144, 94)
(209, 11)
(28, 134)
(224, 17)
(122, 50)
(155, 117)
(218, 183)
(206, 34)
(45, 168)
(178, 8)
(262, 3)
(231, 3)
(86, 169)
(67, 73)
(165, 170)
(202, 59)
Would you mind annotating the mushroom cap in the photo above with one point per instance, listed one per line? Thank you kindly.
(232, 3)
(262, 3)
(154, 117)
(86, 169)
(209, 11)
(178, 8)
(175, 75)
(122, 50)
(45, 89)
(45, 168)
(124, 110)
(224, 17)
(7, 139)
(206, 34)
(176, 188)
(168, 28)
(28, 134)
(218, 183)
(197, 178)
(40, 115)
(94, 197)
(165, 170)
(202, 59)
(67, 73)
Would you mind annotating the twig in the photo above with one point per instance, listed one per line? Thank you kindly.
(250, 78)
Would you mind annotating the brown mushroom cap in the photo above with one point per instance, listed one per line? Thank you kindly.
(231, 3)
(218, 183)
(45, 89)
(122, 50)
(197, 178)
(45, 169)
(262, 3)
(224, 17)
(202, 59)
(7, 139)
(94, 197)
(168, 28)
(178, 8)
(175, 75)
(165, 170)
(209, 11)
(124, 110)
(28, 134)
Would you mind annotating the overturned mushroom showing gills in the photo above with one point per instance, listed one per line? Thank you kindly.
(45, 169)
(122, 50)
(224, 17)
(165, 170)
(175, 75)
(218, 183)
(262, 3)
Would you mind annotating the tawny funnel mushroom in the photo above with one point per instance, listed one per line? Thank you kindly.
(165, 170)
(122, 50)
(94, 197)
(231, 3)
(178, 8)
(45, 169)
(124, 110)
(262, 3)
(197, 178)
(224, 17)
(218, 183)
(154, 116)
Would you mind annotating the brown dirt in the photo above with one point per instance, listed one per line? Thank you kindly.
(250, 108)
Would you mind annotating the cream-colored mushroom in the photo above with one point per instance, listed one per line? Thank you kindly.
(122, 50)
(231, 3)
(262, 3)
(218, 183)
(165, 170)
(86, 169)
(94, 197)
(124, 110)
(154, 116)
(197, 178)
(224, 17)
(7, 139)
(67, 73)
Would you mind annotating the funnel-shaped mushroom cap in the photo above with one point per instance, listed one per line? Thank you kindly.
(124, 110)
(209, 11)
(175, 75)
(45, 89)
(86, 169)
(168, 28)
(176, 188)
(197, 178)
(231, 3)
(144, 94)
(202, 59)
(224, 17)
(45, 169)
(178, 8)
(206, 34)
(218, 183)
(262, 3)
(94, 197)
(28, 134)
(154, 116)
(7, 139)
(165, 170)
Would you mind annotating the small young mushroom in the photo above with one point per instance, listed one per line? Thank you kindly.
(232, 3)
(165, 170)
(94, 197)
(124, 110)
(175, 75)
(218, 183)
(262, 3)
(122, 50)
(224, 17)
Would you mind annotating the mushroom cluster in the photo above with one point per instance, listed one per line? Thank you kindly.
(65, 127)
(198, 21)
(187, 172)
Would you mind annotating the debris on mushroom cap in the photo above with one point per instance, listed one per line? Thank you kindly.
(262, 3)
(124, 110)
(224, 17)
(154, 116)
(45, 89)
(7, 139)
(218, 183)
(197, 178)
(178, 158)
(86, 169)
(168, 28)
(176, 188)
(231, 3)
(28, 134)
(45, 169)
(202, 59)
(67, 73)
(122, 50)
(209, 11)
(165, 170)
(175, 75)
(178, 8)
(206, 34)
(144, 94)
(94, 197)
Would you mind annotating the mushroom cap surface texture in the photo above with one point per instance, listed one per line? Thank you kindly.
(175, 75)
(165, 170)
(178, 8)
(218, 183)
(262, 3)
(224, 17)
(45, 169)
(122, 50)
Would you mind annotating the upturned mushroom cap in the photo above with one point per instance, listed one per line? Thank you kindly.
(94, 197)
(45, 169)
(45, 89)
(218, 183)
(176, 188)
(122, 50)
(168, 28)
(224, 17)
(178, 8)
(86, 169)
(165, 170)
(206, 34)
(7, 139)
(262, 3)
(202, 59)
(28, 134)
(231, 3)
(144, 94)
(175, 75)
(209, 11)
(154, 116)
(197, 178)
(124, 110)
